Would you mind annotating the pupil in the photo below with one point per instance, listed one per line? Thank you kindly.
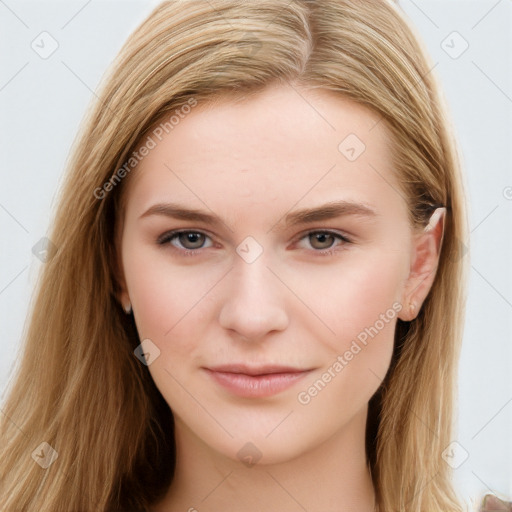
(192, 240)
(322, 240)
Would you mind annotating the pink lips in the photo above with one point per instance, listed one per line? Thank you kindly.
(256, 382)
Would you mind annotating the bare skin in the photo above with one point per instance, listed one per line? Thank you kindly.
(291, 295)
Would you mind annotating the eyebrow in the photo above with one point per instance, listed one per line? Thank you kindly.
(328, 211)
(323, 212)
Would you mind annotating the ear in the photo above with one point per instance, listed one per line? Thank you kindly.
(426, 250)
(123, 297)
(118, 272)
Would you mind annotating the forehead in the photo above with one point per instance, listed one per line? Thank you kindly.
(282, 145)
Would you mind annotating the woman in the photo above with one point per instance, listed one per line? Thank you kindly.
(257, 296)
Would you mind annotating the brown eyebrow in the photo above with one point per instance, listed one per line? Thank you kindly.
(305, 216)
(329, 211)
(181, 212)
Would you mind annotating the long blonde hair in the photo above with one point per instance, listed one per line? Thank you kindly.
(80, 388)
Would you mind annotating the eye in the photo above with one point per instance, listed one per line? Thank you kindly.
(190, 242)
(185, 240)
(324, 241)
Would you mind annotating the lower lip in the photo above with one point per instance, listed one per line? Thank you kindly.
(256, 386)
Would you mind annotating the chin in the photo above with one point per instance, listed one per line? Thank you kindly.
(260, 451)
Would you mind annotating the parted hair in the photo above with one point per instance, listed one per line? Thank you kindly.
(79, 386)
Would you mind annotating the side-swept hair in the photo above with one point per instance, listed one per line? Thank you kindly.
(79, 386)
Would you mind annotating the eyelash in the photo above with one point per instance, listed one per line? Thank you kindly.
(165, 238)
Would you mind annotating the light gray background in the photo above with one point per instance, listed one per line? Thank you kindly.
(42, 102)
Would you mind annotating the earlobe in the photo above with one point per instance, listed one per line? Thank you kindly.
(123, 297)
(124, 301)
(425, 258)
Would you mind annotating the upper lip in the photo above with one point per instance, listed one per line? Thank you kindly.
(255, 370)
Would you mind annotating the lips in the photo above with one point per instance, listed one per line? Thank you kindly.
(255, 381)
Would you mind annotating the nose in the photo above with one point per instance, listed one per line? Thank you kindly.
(254, 301)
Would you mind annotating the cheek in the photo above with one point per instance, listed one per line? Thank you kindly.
(364, 320)
(360, 305)
(164, 295)
(370, 290)
(359, 292)
(172, 307)
(169, 304)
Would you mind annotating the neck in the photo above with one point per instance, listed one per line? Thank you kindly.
(332, 476)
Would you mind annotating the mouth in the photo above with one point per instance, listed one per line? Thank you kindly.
(255, 381)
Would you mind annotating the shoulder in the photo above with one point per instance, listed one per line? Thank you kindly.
(491, 503)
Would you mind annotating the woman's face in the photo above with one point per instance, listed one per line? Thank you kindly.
(266, 252)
